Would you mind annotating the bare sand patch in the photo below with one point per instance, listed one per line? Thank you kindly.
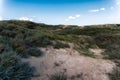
(77, 67)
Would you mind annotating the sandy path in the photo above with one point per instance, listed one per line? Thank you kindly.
(69, 61)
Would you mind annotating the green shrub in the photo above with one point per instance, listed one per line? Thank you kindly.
(59, 45)
(112, 45)
(88, 53)
(58, 76)
(40, 41)
(115, 75)
(68, 38)
(19, 46)
(20, 35)
(84, 51)
(84, 41)
(34, 52)
(5, 44)
(11, 67)
(8, 33)
(10, 27)
(113, 51)
(5, 40)
(2, 47)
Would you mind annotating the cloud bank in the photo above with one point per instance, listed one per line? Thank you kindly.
(26, 19)
(97, 10)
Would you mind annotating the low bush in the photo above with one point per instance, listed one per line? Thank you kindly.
(112, 45)
(113, 51)
(84, 51)
(59, 45)
(19, 46)
(58, 76)
(115, 75)
(88, 53)
(8, 33)
(40, 41)
(34, 52)
(12, 68)
(2, 47)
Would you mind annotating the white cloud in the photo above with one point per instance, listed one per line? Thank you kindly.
(97, 10)
(73, 17)
(26, 19)
(77, 16)
(102, 9)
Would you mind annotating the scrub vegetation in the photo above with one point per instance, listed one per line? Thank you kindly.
(23, 39)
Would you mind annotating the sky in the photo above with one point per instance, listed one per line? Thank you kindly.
(68, 12)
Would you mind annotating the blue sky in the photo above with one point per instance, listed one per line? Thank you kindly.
(71, 12)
